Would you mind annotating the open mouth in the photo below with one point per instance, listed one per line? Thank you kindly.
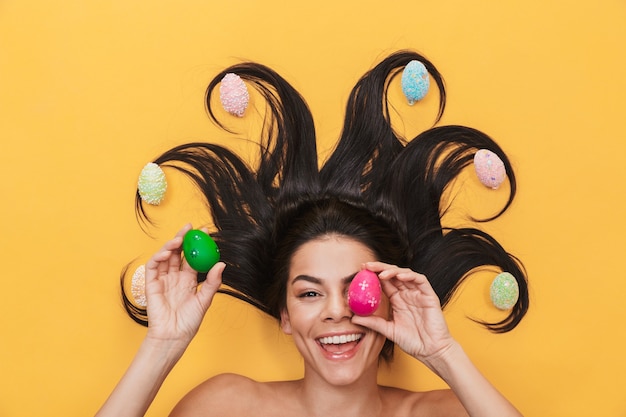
(337, 345)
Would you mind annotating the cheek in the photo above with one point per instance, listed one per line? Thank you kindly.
(298, 317)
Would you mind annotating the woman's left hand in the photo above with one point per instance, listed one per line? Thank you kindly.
(416, 323)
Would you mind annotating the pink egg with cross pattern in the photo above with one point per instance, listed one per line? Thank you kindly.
(364, 293)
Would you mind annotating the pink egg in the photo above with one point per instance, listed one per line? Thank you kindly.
(489, 168)
(234, 94)
(364, 293)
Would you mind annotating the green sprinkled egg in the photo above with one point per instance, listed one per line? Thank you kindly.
(504, 291)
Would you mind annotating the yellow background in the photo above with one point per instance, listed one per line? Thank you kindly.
(91, 91)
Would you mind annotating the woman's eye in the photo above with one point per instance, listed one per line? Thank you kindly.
(307, 294)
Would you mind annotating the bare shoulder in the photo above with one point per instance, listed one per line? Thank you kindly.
(432, 403)
(223, 395)
(443, 403)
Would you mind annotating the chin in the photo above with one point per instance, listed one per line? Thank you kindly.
(343, 376)
(349, 367)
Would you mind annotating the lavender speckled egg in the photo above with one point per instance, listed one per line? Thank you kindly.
(489, 168)
(364, 293)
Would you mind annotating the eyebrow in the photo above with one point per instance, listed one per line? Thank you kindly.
(319, 281)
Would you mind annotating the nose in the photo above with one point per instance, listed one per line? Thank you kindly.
(336, 308)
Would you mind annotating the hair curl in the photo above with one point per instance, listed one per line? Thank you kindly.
(376, 187)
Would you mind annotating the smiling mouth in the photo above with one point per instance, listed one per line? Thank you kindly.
(340, 344)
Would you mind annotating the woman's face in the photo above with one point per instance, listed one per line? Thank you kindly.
(317, 313)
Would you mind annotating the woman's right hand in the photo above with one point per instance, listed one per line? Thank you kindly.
(176, 304)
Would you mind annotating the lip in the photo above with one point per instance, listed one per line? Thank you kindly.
(344, 354)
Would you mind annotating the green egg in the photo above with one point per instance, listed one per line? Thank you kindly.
(200, 250)
(504, 291)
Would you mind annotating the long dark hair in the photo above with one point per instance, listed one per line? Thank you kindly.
(377, 187)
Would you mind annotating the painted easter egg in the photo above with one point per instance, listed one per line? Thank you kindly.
(200, 250)
(234, 94)
(152, 184)
(415, 81)
(504, 291)
(364, 293)
(489, 168)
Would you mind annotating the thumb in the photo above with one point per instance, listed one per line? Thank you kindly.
(376, 323)
(212, 283)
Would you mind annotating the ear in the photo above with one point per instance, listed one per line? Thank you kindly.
(285, 323)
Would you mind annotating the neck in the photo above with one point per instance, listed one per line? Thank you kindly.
(359, 398)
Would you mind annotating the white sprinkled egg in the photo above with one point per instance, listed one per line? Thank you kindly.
(152, 184)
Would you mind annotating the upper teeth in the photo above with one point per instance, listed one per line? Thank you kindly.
(336, 340)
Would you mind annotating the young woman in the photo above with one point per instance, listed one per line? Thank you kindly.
(293, 238)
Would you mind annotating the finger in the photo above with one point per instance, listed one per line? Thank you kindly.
(389, 288)
(184, 230)
(158, 263)
(409, 278)
(378, 266)
(185, 267)
(211, 284)
(388, 272)
(385, 273)
(376, 323)
(170, 256)
(175, 245)
(414, 281)
(404, 274)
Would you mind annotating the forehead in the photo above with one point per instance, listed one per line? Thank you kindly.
(330, 257)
